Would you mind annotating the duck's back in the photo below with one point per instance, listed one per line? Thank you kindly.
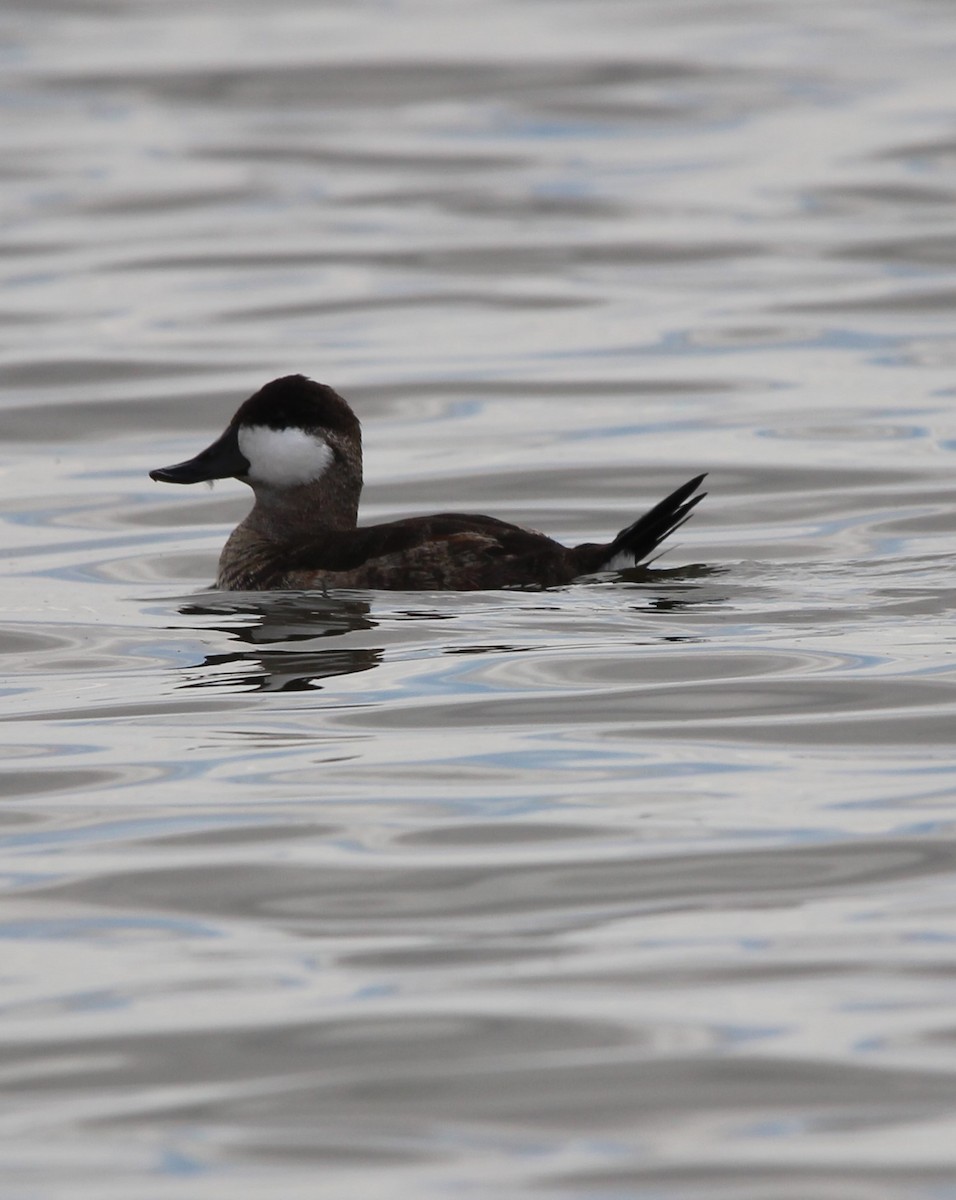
(445, 551)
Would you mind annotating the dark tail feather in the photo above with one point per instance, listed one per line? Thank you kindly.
(646, 534)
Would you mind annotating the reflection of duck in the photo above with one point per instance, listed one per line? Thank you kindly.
(274, 629)
(299, 447)
(278, 670)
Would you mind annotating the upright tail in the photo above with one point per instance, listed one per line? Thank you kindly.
(633, 544)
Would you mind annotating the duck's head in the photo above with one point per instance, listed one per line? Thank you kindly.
(293, 433)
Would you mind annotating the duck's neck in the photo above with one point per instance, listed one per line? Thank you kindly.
(293, 512)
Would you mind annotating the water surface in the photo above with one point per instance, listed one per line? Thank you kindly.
(640, 887)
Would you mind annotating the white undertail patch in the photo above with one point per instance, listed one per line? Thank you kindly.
(283, 457)
(622, 561)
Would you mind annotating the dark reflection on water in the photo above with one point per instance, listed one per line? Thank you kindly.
(272, 622)
(684, 590)
(282, 671)
(284, 616)
(275, 624)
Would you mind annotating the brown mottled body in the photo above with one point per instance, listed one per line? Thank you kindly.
(450, 551)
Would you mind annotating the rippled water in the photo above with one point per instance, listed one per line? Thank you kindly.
(630, 889)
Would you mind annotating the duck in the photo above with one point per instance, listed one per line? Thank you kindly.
(298, 445)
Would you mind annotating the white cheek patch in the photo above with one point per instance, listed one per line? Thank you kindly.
(622, 561)
(283, 457)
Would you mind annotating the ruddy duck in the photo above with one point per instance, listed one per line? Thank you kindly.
(298, 445)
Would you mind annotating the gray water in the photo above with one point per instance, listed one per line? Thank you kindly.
(628, 889)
